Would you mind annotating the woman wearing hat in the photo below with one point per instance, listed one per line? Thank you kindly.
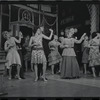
(38, 56)
(70, 67)
(12, 54)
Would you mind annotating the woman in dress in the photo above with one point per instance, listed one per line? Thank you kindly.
(38, 56)
(85, 55)
(54, 57)
(94, 53)
(31, 53)
(27, 56)
(12, 54)
(70, 67)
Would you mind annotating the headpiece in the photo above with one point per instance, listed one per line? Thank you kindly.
(4, 33)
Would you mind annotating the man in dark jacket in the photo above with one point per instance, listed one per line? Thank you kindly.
(21, 52)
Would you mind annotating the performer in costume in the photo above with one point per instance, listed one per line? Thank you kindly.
(70, 67)
(12, 54)
(54, 57)
(38, 56)
(27, 56)
(21, 53)
(94, 53)
(85, 54)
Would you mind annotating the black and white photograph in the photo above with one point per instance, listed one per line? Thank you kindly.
(49, 49)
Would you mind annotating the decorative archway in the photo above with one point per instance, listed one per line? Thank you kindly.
(94, 16)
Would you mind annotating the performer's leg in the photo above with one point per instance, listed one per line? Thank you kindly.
(18, 71)
(52, 69)
(85, 71)
(32, 67)
(60, 65)
(22, 68)
(44, 70)
(36, 72)
(93, 71)
(10, 69)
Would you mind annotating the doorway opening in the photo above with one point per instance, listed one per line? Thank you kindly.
(26, 31)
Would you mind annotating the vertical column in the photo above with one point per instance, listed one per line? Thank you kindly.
(93, 18)
(0, 25)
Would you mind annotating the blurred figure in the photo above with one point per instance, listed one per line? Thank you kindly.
(21, 53)
(85, 55)
(54, 57)
(38, 56)
(12, 54)
(27, 56)
(70, 66)
(94, 53)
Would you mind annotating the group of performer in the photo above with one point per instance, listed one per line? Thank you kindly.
(68, 64)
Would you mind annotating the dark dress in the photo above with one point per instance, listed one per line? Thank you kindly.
(21, 53)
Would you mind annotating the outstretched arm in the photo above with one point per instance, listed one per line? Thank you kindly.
(48, 38)
(81, 39)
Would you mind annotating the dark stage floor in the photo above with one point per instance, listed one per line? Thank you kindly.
(86, 86)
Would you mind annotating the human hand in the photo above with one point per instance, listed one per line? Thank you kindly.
(51, 30)
(20, 34)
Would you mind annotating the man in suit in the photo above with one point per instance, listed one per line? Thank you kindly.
(21, 52)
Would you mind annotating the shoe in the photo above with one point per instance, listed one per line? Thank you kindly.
(9, 78)
(19, 78)
(44, 79)
(36, 79)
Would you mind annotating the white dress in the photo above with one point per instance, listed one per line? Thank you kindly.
(12, 54)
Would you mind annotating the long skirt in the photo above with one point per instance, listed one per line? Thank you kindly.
(70, 67)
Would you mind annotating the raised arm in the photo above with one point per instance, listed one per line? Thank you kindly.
(17, 40)
(30, 42)
(81, 39)
(20, 37)
(46, 37)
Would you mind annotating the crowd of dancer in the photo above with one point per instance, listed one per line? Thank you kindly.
(66, 58)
